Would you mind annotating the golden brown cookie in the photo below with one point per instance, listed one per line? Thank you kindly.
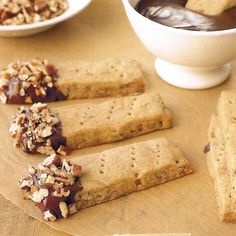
(44, 130)
(222, 154)
(210, 7)
(40, 81)
(105, 176)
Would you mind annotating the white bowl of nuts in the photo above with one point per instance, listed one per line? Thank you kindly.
(20, 18)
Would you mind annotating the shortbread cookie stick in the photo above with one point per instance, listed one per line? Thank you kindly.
(38, 129)
(105, 176)
(40, 81)
(216, 159)
(109, 78)
(226, 113)
(222, 154)
(210, 7)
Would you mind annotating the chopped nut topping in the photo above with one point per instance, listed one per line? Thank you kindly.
(48, 216)
(26, 183)
(62, 193)
(39, 195)
(31, 170)
(3, 98)
(29, 82)
(63, 150)
(47, 131)
(18, 12)
(52, 159)
(37, 129)
(64, 209)
(66, 166)
(50, 180)
(45, 150)
(52, 187)
(44, 176)
(76, 170)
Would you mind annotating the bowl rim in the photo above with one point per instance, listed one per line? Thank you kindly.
(127, 4)
(70, 12)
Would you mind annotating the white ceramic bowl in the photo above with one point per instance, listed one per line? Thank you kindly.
(187, 59)
(75, 6)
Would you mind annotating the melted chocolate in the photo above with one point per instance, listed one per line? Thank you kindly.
(51, 202)
(58, 187)
(173, 13)
(13, 96)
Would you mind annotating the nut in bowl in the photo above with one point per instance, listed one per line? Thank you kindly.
(186, 58)
(24, 18)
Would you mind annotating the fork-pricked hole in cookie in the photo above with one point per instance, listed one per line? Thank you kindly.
(133, 151)
(102, 162)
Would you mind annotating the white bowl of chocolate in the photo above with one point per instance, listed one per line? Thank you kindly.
(194, 40)
(26, 17)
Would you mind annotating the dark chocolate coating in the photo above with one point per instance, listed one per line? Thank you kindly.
(57, 139)
(51, 202)
(13, 96)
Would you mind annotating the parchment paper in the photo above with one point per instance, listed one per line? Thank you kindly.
(186, 205)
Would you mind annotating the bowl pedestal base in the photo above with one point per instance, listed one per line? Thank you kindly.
(191, 77)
